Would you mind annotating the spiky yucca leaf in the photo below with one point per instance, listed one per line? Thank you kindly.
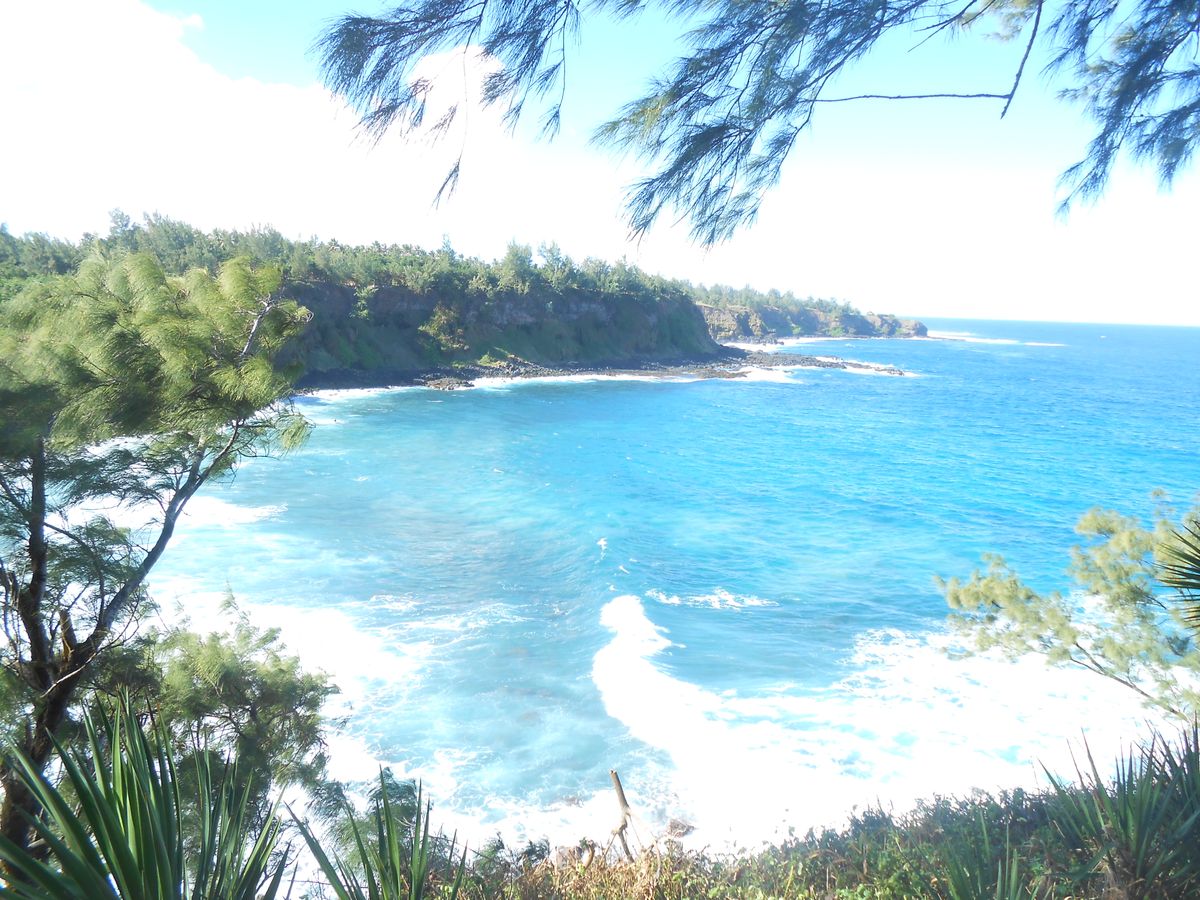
(124, 837)
(1141, 828)
(978, 871)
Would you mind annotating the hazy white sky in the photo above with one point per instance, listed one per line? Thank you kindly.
(211, 112)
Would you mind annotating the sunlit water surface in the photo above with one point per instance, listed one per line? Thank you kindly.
(724, 589)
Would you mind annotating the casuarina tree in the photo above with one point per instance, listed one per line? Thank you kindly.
(750, 75)
(122, 392)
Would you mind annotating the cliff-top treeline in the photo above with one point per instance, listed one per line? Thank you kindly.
(391, 311)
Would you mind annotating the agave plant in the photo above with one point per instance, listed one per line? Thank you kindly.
(393, 864)
(1141, 829)
(1006, 883)
(115, 826)
(970, 874)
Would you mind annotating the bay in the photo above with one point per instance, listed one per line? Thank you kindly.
(725, 589)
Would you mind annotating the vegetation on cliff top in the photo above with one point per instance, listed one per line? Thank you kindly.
(401, 309)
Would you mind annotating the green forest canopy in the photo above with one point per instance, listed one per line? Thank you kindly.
(179, 247)
(394, 310)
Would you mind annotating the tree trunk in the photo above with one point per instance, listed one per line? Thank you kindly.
(54, 675)
(19, 806)
(53, 695)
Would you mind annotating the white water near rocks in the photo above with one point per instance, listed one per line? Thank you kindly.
(724, 589)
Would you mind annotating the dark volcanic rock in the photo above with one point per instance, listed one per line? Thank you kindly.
(732, 363)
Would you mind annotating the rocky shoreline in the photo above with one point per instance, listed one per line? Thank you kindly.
(733, 362)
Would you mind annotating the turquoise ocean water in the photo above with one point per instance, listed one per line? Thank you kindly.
(725, 589)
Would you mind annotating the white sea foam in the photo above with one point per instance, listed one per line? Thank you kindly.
(372, 669)
(207, 510)
(363, 663)
(379, 671)
(909, 723)
(563, 822)
(479, 618)
(861, 367)
(393, 602)
(200, 510)
(752, 346)
(777, 374)
(325, 408)
(874, 371)
(854, 366)
(779, 344)
(718, 599)
(969, 337)
(505, 382)
(338, 395)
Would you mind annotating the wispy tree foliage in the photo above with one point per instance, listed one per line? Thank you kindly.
(1119, 622)
(238, 692)
(716, 126)
(122, 392)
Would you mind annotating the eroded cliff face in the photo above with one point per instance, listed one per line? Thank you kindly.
(770, 323)
(398, 330)
(395, 333)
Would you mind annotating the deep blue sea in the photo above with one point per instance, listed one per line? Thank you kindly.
(724, 589)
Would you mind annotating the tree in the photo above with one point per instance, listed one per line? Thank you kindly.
(517, 271)
(122, 392)
(238, 694)
(717, 126)
(1118, 623)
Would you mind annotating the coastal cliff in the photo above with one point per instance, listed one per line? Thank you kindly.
(394, 335)
(391, 314)
(398, 334)
(767, 323)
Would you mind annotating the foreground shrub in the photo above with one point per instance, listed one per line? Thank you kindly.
(118, 826)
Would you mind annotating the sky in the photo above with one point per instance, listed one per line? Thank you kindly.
(213, 112)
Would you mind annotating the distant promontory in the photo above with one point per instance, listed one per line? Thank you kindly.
(766, 322)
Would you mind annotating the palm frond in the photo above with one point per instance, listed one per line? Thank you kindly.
(1182, 570)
